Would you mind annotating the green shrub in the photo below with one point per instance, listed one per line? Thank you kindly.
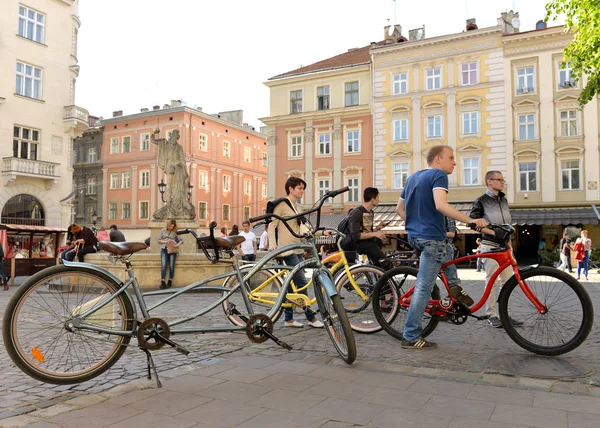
(548, 258)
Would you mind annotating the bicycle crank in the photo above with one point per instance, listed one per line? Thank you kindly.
(259, 328)
(149, 331)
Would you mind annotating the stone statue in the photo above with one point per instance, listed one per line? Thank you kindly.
(171, 160)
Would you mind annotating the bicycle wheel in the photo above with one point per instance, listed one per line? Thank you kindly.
(238, 300)
(37, 334)
(397, 282)
(334, 317)
(564, 325)
(360, 313)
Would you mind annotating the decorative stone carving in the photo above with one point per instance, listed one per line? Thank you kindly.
(171, 160)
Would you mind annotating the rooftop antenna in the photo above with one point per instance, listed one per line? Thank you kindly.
(395, 16)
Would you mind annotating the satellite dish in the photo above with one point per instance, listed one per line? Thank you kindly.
(516, 23)
(391, 30)
(419, 34)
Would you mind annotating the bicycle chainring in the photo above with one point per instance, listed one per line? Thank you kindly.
(256, 327)
(147, 333)
(458, 318)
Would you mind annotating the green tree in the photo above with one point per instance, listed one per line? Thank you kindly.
(582, 19)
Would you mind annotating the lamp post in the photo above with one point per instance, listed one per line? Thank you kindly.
(161, 188)
(94, 217)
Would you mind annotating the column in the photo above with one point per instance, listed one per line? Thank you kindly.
(416, 133)
(338, 144)
(450, 83)
(153, 189)
(547, 130)
(272, 168)
(238, 199)
(218, 189)
(134, 188)
(105, 178)
(591, 173)
(451, 117)
(308, 162)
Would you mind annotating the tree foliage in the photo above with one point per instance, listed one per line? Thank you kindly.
(582, 19)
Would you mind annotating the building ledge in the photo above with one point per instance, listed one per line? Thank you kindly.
(13, 168)
(75, 120)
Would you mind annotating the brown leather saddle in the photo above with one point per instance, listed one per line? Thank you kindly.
(122, 248)
(226, 243)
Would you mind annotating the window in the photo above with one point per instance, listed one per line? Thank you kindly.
(91, 186)
(433, 78)
(264, 190)
(226, 149)
(126, 144)
(25, 143)
(526, 127)
(352, 142)
(144, 210)
(144, 142)
(202, 143)
(202, 210)
(470, 122)
(400, 83)
(29, 81)
(114, 146)
(247, 154)
(471, 171)
(565, 77)
(400, 175)
(527, 177)
(246, 213)
(126, 210)
(323, 98)
(525, 80)
(226, 212)
(226, 183)
(295, 147)
(351, 94)
(247, 189)
(401, 130)
(296, 102)
(126, 180)
(323, 186)
(468, 73)
(145, 179)
(570, 174)
(202, 179)
(324, 144)
(265, 159)
(114, 180)
(434, 126)
(354, 193)
(31, 24)
(92, 155)
(568, 123)
(112, 210)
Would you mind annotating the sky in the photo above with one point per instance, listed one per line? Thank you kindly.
(217, 54)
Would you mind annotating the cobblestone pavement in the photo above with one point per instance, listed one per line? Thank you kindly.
(464, 353)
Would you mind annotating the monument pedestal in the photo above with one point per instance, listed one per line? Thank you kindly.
(189, 243)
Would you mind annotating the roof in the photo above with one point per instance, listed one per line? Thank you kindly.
(572, 215)
(353, 57)
(34, 229)
(387, 214)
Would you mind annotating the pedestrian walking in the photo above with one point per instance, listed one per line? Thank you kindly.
(247, 248)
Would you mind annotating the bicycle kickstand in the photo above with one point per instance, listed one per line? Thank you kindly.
(152, 366)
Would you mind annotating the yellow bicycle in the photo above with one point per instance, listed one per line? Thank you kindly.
(354, 284)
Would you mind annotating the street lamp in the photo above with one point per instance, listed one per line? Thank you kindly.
(161, 188)
(94, 217)
(190, 189)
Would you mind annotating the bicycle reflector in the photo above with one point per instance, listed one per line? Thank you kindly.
(37, 355)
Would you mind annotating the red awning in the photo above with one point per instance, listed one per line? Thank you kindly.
(34, 229)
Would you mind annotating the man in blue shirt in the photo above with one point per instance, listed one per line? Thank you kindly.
(423, 205)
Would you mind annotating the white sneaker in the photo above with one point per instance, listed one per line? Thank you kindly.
(293, 323)
(316, 324)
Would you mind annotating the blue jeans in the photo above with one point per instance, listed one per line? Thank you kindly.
(299, 281)
(433, 253)
(3, 278)
(165, 258)
(583, 264)
(451, 272)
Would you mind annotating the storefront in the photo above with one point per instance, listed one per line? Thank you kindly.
(29, 249)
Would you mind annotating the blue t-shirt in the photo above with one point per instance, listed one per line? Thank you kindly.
(423, 220)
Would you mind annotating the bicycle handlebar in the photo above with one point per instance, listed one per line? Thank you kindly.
(200, 241)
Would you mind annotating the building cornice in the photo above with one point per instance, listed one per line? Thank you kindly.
(184, 109)
(463, 91)
(319, 74)
(536, 41)
(364, 109)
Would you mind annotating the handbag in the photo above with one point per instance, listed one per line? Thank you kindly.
(172, 247)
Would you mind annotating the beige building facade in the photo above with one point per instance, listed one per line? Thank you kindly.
(38, 114)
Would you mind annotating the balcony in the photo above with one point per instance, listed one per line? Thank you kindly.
(12, 168)
(75, 120)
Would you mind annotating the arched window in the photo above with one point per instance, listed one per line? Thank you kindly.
(23, 209)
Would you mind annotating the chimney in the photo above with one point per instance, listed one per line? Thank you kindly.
(143, 110)
(471, 25)
(166, 106)
(509, 21)
(386, 32)
(416, 34)
(118, 113)
(395, 36)
(175, 103)
(156, 108)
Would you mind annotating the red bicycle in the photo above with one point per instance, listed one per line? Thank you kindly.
(555, 310)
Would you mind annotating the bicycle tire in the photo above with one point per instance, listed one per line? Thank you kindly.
(35, 325)
(402, 279)
(563, 296)
(359, 311)
(236, 298)
(334, 317)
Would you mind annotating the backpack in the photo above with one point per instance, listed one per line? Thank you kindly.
(344, 227)
(271, 207)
